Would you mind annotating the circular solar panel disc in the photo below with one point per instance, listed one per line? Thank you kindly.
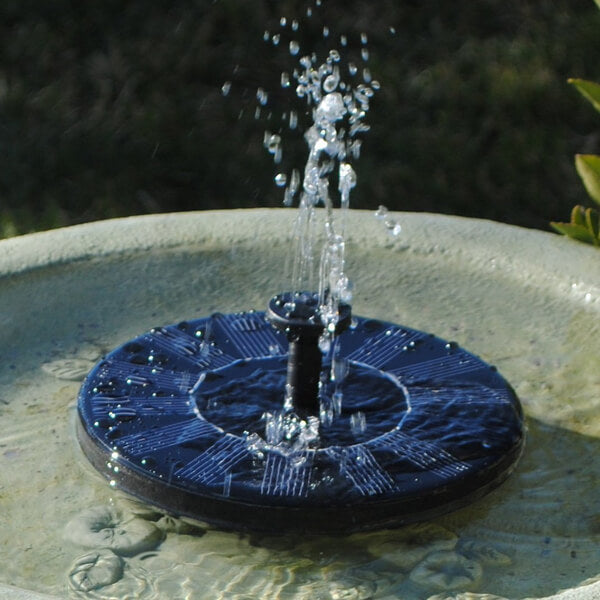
(411, 426)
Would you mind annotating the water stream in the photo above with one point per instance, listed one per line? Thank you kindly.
(337, 99)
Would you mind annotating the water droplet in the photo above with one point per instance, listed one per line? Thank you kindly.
(276, 39)
(343, 40)
(339, 369)
(334, 56)
(366, 75)
(262, 96)
(336, 403)
(280, 179)
(393, 227)
(393, 30)
(331, 107)
(295, 25)
(381, 212)
(293, 119)
(354, 149)
(358, 423)
(375, 84)
(347, 181)
(364, 54)
(226, 88)
(227, 485)
(325, 31)
(294, 47)
(285, 80)
(352, 68)
(266, 36)
(325, 344)
(363, 38)
(367, 91)
(306, 62)
(330, 84)
(295, 182)
(309, 12)
(271, 141)
(283, 21)
(298, 460)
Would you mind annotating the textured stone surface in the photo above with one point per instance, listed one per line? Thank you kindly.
(106, 527)
(95, 570)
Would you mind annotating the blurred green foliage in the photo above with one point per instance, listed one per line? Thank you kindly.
(114, 108)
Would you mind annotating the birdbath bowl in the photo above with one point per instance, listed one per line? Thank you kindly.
(523, 301)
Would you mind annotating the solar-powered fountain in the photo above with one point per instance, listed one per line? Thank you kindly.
(194, 418)
(303, 418)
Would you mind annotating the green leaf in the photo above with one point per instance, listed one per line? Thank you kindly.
(588, 167)
(588, 89)
(578, 213)
(577, 232)
(591, 221)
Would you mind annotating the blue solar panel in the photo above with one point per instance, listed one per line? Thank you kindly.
(183, 412)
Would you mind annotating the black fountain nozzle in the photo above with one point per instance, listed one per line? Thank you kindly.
(298, 315)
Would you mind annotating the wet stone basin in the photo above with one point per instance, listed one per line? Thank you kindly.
(523, 300)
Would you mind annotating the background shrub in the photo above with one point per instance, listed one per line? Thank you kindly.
(111, 108)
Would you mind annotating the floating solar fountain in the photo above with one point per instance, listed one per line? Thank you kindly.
(303, 418)
(416, 427)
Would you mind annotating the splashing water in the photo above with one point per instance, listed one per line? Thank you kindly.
(337, 95)
(339, 109)
(394, 228)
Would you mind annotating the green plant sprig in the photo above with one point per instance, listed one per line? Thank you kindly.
(585, 222)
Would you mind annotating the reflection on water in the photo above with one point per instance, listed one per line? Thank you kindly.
(538, 533)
